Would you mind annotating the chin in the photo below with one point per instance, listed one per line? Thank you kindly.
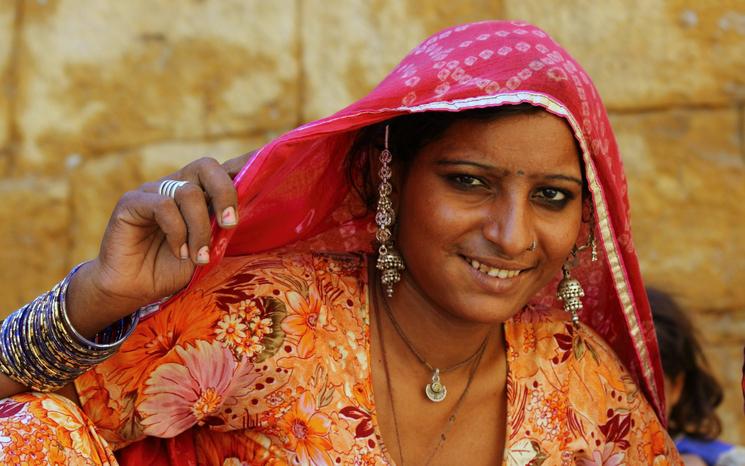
(486, 309)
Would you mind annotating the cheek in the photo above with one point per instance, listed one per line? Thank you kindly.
(560, 237)
(427, 216)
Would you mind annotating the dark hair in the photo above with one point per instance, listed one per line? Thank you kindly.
(694, 413)
(408, 134)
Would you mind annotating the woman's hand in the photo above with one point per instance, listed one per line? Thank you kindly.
(153, 243)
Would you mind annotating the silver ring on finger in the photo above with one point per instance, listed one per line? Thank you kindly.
(169, 187)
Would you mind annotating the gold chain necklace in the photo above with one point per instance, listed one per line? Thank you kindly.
(453, 414)
(436, 391)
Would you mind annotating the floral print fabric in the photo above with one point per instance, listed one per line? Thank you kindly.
(267, 361)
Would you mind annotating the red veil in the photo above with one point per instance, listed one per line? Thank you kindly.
(295, 189)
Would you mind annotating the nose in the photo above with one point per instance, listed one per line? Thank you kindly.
(508, 226)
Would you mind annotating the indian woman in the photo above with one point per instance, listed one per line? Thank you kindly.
(440, 273)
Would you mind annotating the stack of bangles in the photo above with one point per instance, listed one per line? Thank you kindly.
(40, 349)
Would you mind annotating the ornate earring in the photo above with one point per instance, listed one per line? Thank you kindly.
(570, 289)
(390, 263)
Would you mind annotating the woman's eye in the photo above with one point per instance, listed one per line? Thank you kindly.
(467, 181)
(552, 195)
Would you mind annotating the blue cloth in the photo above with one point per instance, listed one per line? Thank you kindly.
(708, 450)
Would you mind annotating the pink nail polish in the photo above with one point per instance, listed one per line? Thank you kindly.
(184, 252)
(228, 216)
(203, 256)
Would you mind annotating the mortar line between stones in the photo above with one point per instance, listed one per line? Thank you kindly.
(12, 88)
(261, 133)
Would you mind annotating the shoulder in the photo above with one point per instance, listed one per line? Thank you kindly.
(547, 335)
(545, 340)
(576, 388)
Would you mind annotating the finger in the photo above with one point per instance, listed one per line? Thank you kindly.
(234, 166)
(219, 188)
(192, 205)
(148, 209)
(171, 223)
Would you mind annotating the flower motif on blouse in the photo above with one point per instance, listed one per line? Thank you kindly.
(604, 456)
(303, 320)
(70, 422)
(26, 440)
(362, 412)
(617, 429)
(9, 407)
(653, 443)
(188, 318)
(231, 330)
(251, 327)
(180, 395)
(49, 430)
(308, 431)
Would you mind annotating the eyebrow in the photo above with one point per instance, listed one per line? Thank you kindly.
(505, 172)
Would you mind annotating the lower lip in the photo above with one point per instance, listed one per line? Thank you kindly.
(494, 285)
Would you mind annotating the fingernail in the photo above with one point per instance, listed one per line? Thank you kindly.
(184, 252)
(228, 216)
(203, 256)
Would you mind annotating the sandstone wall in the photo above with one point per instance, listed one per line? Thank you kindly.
(97, 97)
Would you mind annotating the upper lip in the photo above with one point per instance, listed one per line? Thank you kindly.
(496, 263)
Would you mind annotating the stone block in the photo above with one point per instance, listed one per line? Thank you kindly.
(34, 241)
(97, 185)
(686, 187)
(650, 53)
(7, 21)
(100, 77)
(348, 49)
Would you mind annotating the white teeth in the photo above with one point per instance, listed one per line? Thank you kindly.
(493, 271)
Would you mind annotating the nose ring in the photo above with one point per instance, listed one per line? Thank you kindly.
(532, 246)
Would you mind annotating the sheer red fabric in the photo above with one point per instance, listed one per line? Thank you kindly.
(294, 191)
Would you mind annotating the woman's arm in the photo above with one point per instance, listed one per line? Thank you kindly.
(151, 247)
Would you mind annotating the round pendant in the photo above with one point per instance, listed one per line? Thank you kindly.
(436, 391)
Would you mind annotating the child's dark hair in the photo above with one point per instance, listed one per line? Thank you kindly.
(694, 413)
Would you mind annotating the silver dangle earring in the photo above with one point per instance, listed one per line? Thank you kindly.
(570, 290)
(390, 263)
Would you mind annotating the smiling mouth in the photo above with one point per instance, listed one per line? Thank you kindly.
(492, 271)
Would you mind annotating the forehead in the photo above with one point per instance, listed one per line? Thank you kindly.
(537, 140)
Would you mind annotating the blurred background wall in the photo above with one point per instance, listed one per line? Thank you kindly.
(97, 97)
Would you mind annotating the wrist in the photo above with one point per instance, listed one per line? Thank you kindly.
(40, 347)
(90, 305)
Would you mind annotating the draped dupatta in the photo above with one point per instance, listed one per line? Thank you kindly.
(295, 190)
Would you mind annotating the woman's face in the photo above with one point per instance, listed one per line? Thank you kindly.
(473, 201)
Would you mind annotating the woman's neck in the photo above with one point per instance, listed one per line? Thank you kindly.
(441, 338)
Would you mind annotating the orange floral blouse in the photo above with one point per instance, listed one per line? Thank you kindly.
(267, 361)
